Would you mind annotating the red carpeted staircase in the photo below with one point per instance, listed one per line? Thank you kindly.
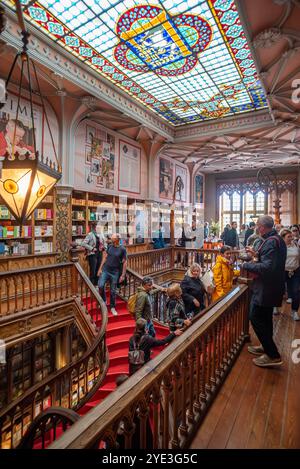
(119, 329)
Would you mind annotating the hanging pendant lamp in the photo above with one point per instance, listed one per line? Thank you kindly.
(26, 177)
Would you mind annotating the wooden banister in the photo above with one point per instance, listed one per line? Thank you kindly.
(176, 387)
(46, 288)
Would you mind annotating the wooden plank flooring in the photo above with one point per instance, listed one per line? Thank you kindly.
(256, 407)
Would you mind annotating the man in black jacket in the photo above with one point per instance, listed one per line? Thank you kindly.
(249, 232)
(268, 266)
(231, 237)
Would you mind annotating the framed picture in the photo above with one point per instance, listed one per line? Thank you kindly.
(90, 134)
(166, 170)
(199, 189)
(182, 172)
(88, 154)
(129, 168)
(95, 167)
(88, 175)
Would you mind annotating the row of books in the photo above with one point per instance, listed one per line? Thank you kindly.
(43, 213)
(100, 216)
(41, 246)
(43, 230)
(78, 215)
(78, 230)
(5, 213)
(22, 249)
(78, 201)
(14, 232)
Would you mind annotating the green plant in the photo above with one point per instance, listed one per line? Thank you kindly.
(214, 227)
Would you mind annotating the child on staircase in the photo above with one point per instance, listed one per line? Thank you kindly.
(175, 308)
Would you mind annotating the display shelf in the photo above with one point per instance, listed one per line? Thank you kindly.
(21, 241)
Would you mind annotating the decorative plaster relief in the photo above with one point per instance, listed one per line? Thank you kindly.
(267, 38)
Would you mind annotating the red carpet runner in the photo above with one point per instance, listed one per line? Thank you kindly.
(119, 329)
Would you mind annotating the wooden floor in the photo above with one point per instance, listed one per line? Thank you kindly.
(256, 407)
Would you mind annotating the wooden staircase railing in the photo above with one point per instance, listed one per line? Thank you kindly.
(160, 260)
(172, 393)
(74, 384)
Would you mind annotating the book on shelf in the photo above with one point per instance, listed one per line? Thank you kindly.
(4, 213)
(78, 215)
(43, 213)
(78, 230)
(42, 246)
(43, 230)
(78, 202)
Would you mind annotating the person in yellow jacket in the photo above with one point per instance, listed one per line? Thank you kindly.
(223, 273)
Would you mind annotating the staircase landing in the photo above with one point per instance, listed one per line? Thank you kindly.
(257, 408)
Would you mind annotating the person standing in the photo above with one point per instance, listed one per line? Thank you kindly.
(231, 237)
(249, 232)
(158, 239)
(94, 243)
(143, 307)
(112, 270)
(223, 273)
(193, 291)
(206, 230)
(292, 271)
(268, 265)
(242, 235)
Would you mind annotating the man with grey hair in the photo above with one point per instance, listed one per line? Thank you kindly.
(268, 267)
(112, 270)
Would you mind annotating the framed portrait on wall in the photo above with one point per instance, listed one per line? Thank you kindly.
(90, 134)
(182, 172)
(199, 189)
(166, 175)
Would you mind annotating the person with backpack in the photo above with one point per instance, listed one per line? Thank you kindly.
(268, 286)
(141, 343)
(175, 308)
(142, 307)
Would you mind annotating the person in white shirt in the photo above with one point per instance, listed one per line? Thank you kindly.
(95, 244)
(292, 271)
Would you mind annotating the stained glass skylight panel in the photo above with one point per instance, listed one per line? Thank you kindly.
(187, 60)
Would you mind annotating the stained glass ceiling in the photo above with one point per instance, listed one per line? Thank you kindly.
(189, 60)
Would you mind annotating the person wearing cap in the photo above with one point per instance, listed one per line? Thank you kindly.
(94, 243)
(142, 307)
(143, 341)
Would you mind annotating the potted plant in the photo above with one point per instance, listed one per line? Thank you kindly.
(214, 228)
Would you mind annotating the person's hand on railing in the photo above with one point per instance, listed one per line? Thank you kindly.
(178, 332)
(187, 322)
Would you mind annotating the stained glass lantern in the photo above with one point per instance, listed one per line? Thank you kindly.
(25, 176)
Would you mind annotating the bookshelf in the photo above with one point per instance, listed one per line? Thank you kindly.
(36, 236)
(112, 213)
(160, 213)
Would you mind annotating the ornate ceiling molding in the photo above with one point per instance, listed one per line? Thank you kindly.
(250, 121)
(42, 51)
